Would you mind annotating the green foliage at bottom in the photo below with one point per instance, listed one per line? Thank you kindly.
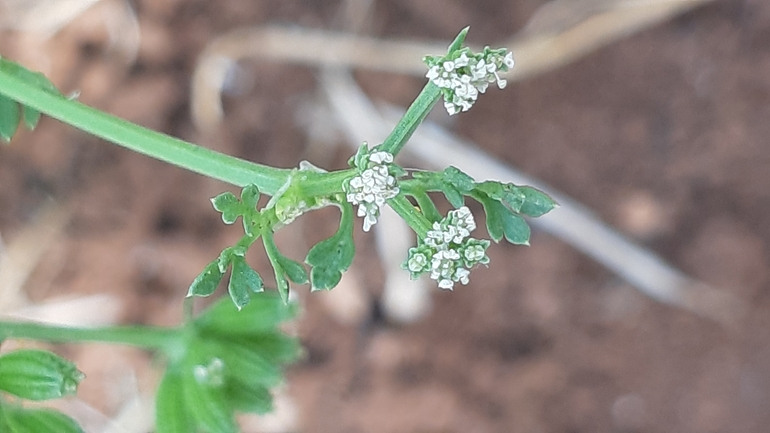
(230, 361)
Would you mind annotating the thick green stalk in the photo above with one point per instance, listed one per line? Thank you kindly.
(413, 117)
(157, 145)
(141, 336)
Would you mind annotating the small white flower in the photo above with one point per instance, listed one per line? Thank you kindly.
(474, 253)
(417, 263)
(447, 251)
(463, 78)
(381, 157)
(508, 60)
(372, 188)
(461, 275)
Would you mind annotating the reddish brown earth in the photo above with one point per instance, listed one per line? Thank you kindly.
(663, 134)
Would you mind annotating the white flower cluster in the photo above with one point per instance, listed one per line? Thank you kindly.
(372, 187)
(463, 75)
(448, 252)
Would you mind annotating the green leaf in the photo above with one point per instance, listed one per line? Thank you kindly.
(207, 404)
(247, 398)
(10, 109)
(171, 415)
(250, 196)
(495, 214)
(536, 203)
(261, 314)
(207, 281)
(243, 282)
(22, 420)
(502, 222)
(31, 117)
(458, 179)
(333, 256)
(293, 269)
(453, 196)
(229, 205)
(276, 347)
(248, 365)
(38, 375)
(516, 229)
(9, 118)
(283, 267)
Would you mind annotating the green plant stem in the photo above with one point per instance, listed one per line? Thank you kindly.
(419, 109)
(147, 337)
(415, 219)
(414, 115)
(160, 146)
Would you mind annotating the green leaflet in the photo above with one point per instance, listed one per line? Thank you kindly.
(207, 281)
(38, 375)
(243, 282)
(333, 256)
(284, 268)
(16, 419)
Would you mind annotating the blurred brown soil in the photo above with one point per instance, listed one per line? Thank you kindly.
(663, 134)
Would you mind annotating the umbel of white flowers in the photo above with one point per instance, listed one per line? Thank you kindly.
(463, 74)
(448, 252)
(372, 187)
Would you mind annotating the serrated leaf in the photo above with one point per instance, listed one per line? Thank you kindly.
(9, 118)
(455, 177)
(229, 205)
(22, 420)
(536, 202)
(171, 415)
(250, 196)
(38, 375)
(516, 229)
(250, 399)
(207, 405)
(261, 314)
(333, 256)
(275, 347)
(207, 281)
(248, 365)
(243, 282)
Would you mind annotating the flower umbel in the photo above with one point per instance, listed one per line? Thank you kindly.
(462, 75)
(448, 252)
(372, 187)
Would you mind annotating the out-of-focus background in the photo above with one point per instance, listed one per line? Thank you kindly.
(652, 116)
